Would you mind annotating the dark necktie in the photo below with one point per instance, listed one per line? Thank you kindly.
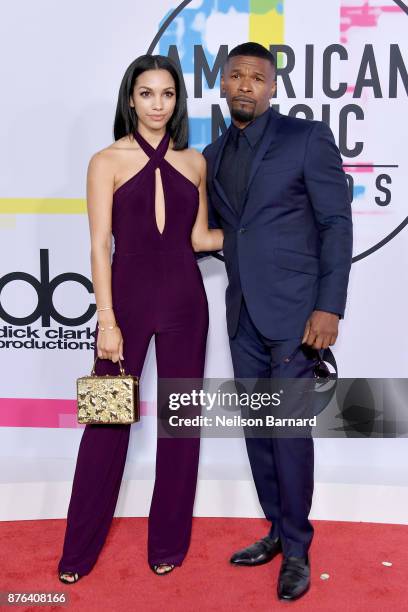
(241, 173)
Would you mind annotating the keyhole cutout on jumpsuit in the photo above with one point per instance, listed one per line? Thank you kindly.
(159, 203)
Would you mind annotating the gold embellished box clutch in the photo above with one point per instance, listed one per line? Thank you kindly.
(106, 399)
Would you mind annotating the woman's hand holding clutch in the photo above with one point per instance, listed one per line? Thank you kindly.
(110, 342)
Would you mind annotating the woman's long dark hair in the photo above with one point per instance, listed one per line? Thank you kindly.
(126, 117)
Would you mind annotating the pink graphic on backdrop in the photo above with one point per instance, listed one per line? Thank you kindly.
(30, 412)
(360, 167)
(362, 16)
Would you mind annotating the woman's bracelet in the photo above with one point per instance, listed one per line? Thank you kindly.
(109, 327)
(105, 308)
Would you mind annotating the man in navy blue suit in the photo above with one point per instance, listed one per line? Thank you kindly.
(277, 188)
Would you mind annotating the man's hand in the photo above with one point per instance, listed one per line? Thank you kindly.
(321, 329)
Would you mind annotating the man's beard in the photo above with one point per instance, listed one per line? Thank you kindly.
(242, 115)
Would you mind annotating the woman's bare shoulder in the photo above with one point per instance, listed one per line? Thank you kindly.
(196, 158)
(108, 157)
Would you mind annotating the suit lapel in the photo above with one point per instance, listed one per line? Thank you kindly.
(267, 138)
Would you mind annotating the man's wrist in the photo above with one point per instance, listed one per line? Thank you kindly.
(328, 312)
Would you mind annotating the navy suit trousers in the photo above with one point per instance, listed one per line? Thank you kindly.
(282, 468)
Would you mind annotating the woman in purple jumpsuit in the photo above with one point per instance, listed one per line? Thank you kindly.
(148, 190)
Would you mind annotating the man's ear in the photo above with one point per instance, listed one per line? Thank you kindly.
(273, 89)
(222, 83)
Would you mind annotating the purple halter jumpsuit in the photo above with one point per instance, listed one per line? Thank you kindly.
(157, 289)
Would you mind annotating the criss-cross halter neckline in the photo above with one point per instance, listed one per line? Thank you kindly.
(155, 155)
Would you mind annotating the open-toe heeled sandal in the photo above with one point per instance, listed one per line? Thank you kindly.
(74, 575)
(155, 568)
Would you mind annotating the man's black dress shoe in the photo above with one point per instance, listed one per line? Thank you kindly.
(262, 551)
(294, 577)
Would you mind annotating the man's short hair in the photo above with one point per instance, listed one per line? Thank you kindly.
(253, 49)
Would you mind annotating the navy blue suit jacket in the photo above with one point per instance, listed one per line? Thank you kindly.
(290, 251)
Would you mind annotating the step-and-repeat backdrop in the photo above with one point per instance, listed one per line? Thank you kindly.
(343, 61)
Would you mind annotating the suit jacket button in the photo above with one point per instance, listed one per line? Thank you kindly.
(242, 230)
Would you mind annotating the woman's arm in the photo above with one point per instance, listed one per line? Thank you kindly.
(202, 238)
(100, 182)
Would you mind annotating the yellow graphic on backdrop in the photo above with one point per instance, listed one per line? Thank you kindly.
(42, 206)
(266, 22)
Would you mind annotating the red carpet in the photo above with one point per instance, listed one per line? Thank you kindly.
(351, 553)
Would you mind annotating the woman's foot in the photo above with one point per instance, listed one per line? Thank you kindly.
(162, 568)
(69, 577)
